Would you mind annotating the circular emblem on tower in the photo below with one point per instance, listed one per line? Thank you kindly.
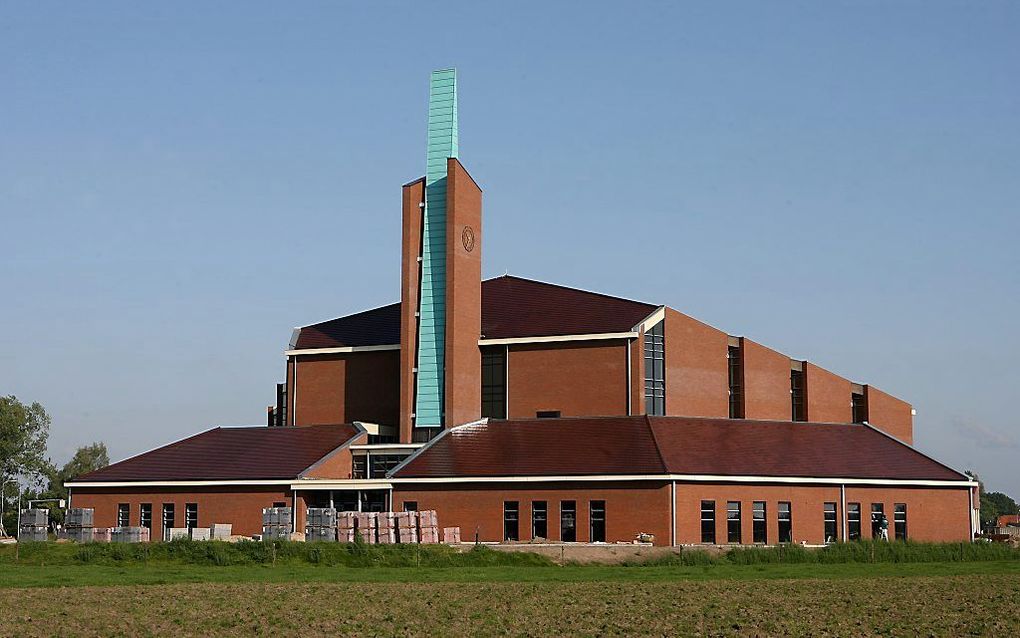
(467, 237)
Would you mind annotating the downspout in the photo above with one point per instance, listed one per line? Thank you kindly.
(293, 510)
(842, 499)
(672, 514)
(506, 383)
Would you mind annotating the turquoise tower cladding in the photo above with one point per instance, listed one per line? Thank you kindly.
(442, 145)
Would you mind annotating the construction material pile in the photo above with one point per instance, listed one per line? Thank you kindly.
(34, 525)
(320, 524)
(277, 522)
(78, 524)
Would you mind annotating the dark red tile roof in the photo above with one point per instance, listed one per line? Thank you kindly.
(542, 447)
(674, 445)
(224, 454)
(511, 307)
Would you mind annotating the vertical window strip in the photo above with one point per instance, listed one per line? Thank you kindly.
(655, 370)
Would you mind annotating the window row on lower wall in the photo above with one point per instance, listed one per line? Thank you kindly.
(829, 516)
(168, 516)
(568, 520)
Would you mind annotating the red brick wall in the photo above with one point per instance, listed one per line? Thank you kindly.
(578, 378)
(697, 373)
(937, 515)
(340, 388)
(828, 396)
(338, 464)
(637, 375)
(240, 506)
(630, 509)
(463, 392)
(766, 382)
(413, 195)
(889, 414)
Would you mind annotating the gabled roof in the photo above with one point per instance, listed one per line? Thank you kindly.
(511, 307)
(671, 445)
(225, 454)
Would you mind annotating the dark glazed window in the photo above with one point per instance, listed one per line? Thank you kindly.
(597, 518)
(785, 523)
(494, 382)
(655, 370)
(145, 515)
(539, 520)
(568, 521)
(900, 521)
(191, 515)
(511, 521)
(708, 522)
(853, 521)
(736, 383)
(859, 407)
(759, 530)
(829, 520)
(797, 395)
(410, 506)
(123, 515)
(733, 522)
(168, 519)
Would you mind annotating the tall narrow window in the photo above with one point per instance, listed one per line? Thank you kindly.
(708, 522)
(900, 521)
(123, 515)
(877, 516)
(736, 383)
(568, 521)
(829, 518)
(511, 521)
(280, 414)
(759, 531)
(655, 370)
(785, 523)
(797, 395)
(145, 515)
(597, 522)
(853, 521)
(494, 382)
(859, 407)
(191, 515)
(733, 522)
(539, 520)
(168, 519)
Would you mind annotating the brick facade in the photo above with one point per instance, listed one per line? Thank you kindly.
(345, 387)
(577, 378)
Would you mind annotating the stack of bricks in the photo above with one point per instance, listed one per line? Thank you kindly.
(428, 527)
(34, 525)
(345, 523)
(387, 528)
(220, 531)
(101, 535)
(451, 535)
(367, 526)
(276, 523)
(407, 527)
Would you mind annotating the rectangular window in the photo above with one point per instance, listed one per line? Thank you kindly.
(145, 515)
(280, 414)
(410, 506)
(547, 414)
(655, 370)
(759, 530)
(733, 522)
(494, 382)
(708, 522)
(879, 521)
(785, 523)
(900, 521)
(597, 519)
(123, 515)
(736, 383)
(829, 519)
(168, 519)
(539, 520)
(191, 515)
(568, 521)
(853, 521)
(511, 521)
(797, 395)
(859, 407)
(380, 464)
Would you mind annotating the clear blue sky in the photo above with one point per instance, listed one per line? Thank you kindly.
(181, 185)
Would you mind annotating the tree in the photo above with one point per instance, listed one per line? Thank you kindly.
(87, 459)
(24, 432)
(993, 504)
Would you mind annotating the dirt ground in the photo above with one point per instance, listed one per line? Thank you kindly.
(609, 554)
(899, 606)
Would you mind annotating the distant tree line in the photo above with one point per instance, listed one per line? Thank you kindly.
(24, 465)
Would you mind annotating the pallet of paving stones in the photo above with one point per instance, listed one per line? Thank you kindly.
(79, 517)
(178, 532)
(321, 517)
(33, 533)
(270, 532)
(129, 535)
(407, 527)
(366, 526)
(35, 517)
(79, 534)
(275, 516)
(451, 535)
(200, 533)
(320, 534)
(101, 535)
(220, 531)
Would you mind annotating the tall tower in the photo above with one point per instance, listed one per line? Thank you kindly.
(440, 280)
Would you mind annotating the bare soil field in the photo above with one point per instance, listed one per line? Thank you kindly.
(973, 605)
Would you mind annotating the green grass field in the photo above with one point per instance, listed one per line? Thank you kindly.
(199, 589)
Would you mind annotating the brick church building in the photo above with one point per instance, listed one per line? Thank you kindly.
(521, 410)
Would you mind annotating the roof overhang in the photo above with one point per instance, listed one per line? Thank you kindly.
(342, 349)
(690, 478)
(596, 336)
